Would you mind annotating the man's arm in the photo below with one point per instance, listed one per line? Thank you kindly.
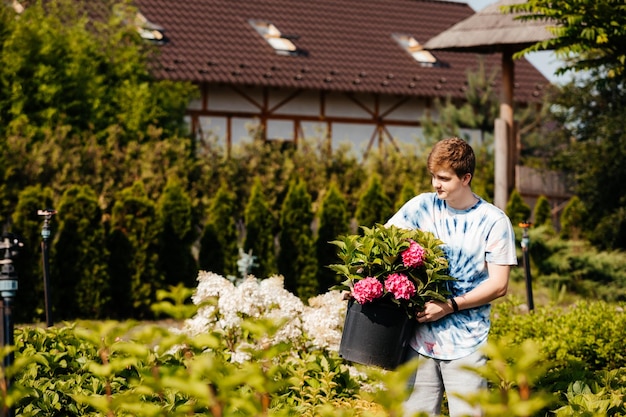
(494, 287)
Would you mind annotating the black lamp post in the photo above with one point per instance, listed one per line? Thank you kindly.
(525, 245)
(9, 248)
(45, 250)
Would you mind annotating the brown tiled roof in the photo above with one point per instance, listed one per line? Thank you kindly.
(348, 44)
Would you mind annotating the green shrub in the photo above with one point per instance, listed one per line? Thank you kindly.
(219, 242)
(333, 221)
(374, 206)
(133, 245)
(296, 260)
(543, 212)
(567, 361)
(572, 219)
(578, 340)
(175, 214)
(517, 210)
(79, 274)
(260, 226)
(28, 225)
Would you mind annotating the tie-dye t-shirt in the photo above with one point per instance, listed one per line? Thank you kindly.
(472, 238)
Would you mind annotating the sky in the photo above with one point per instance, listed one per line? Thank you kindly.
(544, 61)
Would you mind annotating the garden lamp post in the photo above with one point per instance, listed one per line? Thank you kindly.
(45, 250)
(525, 245)
(9, 248)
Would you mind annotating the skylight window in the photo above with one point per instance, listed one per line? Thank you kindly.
(413, 47)
(17, 6)
(281, 43)
(148, 30)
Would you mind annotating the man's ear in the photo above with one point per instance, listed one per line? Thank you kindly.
(467, 178)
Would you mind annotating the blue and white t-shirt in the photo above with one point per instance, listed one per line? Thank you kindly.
(472, 238)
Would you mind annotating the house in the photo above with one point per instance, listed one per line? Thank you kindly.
(344, 70)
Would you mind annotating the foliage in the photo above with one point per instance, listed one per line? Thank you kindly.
(592, 116)
(219, 241)
(75, 94)
(260, 225)
(478, 111)
(406, 193)
(80, 280)
(29, 263)
(386, 254)
(577, 266)
(602, 396)
(567, 361)
(296, 260)
(542, 212)
(374, 206)
(576, 340)
(572, 219)
(588, 36)
(517, 210)
(588, 32)
(333, 222)
(133, 248)
(62, 69)
(579, 345)
(175, 215)
(512, 371)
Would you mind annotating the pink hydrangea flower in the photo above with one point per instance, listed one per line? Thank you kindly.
(367, 289)
(400, 286)
(414, 255)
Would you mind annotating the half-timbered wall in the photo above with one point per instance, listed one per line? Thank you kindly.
(366, 121)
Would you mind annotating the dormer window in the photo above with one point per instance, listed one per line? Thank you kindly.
(281, 42)
(413, 47)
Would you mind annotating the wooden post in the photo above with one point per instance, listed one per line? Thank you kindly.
(501, 171)
(504, 135)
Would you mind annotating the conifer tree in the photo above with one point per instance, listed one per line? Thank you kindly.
(406, 193)
(28, 225)
(374, 206)
(175, 213)
(572, 219)
(517, 210)
(543, 212)
(218, 245)
(133, 245)
(296, 261)
(259, 239)
(333, 222)
(79, 273)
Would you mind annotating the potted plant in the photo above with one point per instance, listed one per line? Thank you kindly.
(390, 273)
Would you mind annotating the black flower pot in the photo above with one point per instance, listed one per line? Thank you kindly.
(375, 333)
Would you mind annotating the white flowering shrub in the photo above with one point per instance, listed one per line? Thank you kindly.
(223, 306)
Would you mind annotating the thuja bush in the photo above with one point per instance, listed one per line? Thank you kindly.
(517, 210)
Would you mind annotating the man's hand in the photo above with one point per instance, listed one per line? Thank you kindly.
(434, 310)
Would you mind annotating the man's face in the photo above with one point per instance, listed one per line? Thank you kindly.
(447, 184)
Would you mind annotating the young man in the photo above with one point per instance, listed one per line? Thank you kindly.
(480, 245)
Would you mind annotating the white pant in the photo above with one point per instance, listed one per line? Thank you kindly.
(434, 376)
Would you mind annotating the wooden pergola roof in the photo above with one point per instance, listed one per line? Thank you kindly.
(490, 30)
